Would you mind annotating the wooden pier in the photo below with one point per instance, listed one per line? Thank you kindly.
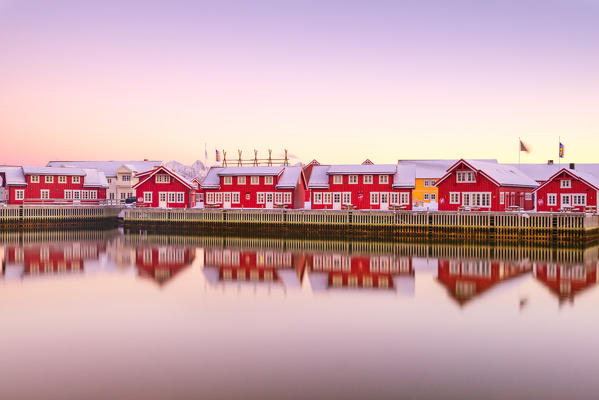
(544, 227)
(30, 216)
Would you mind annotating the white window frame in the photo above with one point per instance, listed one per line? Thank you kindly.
(235, 197)
(374, 198)
(241, 180)
(501, 197)
(327, 198)
(367, 179)
(45, 194)
(227, 180)
(171, 197)
(337, 179)
(287, 197)
(254, 180)
(428, 183)
(565, 196)
(210, 198)
(383, 179)
(35, 179)
(76, 194)
(62, 179)
(426, 197)
(565, 184)
(278, 198)
(352, 179)
(527, 196)
(317, 197)
(147, 197)
(20, 194)
(68, 194)
(268, 180)
(346, 198)
(49, 179)
(394, 198)
(404, 198)
(465, 177)
(180, 197)
(76, 179)
(552, 199)
(579, 199)
(163, 178)
(454, 197)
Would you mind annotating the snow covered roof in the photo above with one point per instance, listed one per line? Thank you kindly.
(144, 176)
(247, 171)
(108, 167)
(433, 169)
(94, 178)
(14, 176)
(362, 169)
(405, 176)
(319, 178)
(289, 178)
(53, 171)
(503, 175)
(212, 179)
(592, 180)
(538, 172)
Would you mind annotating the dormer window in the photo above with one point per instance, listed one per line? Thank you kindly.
(163, 178)
(465, 176)
(268, 180)
(383, 179)
(565, 184)
(35, 179)
(126, 178)
(337, 179)
(228, 180)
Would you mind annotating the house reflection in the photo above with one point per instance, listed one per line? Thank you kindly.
(253, 267)
(466, 279)
(161, 263)
(568, 273)
(388, 272)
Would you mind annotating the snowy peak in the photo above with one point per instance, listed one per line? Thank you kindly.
(189, 171)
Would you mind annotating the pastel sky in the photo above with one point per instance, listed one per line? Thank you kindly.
(339, 81)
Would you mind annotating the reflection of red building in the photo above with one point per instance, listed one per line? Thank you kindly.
(363, 271)
(46, 259)
(465, 279)
(253, 265)
(161, 263)
(566, 281)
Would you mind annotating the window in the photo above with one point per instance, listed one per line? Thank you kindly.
(405, 198)
(268, 180)
(433, 196)
(255, 180)
(163, 178)
(427, 196)
(62, 179)
(218, 198)
(551, 199)
(352, 179)
(465, 176)
(337, 179)
(502, 198)
(19, 194)
(454, 198)
(383, 179)
(337, 198)
(394, 198)
(527, 196)
(327, 198)
(241, 180)
(35, 179)
(278, 197)
(147, 197)
(565, 198)
(85, 194)
(76, 194)
(123, 195)
(49, 179)
(76, 179)
(374, 198)
(476, 199)
(346, 197)
(180, 197)
(367, 179)
(68, 194)
(228, 180)
(236, 197)
(565, 184)
(317, 198)
(579, 199)
(428, 183)
(287, 198)
(126, 178)
(210, 197)
(45, 194)
(260, 198)
(109, 180)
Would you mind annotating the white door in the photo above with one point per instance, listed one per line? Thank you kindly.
(337, 201)
(384, 201)
(269, 200)
(162, 200)
(226, 200)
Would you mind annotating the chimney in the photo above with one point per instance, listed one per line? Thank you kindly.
(550, 162)
(572, 165)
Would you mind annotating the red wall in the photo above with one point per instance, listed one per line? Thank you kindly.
(33, 190)
(360, 192)
(482, 184)
(297, 194)
(553, 186)
(174, 185)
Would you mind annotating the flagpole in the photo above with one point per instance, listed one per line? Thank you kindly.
(559, 145)
(519, 149)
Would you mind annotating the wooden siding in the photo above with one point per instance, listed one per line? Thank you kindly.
(553, 186)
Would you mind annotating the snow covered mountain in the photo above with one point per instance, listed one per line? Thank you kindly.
(189, 171)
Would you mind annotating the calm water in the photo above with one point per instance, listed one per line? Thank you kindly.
(101, 314)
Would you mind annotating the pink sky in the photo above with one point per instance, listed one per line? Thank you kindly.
(336, 81)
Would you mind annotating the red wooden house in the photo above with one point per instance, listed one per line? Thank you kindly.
(568, 189)
(254, 187)
(161, 263)
(53, 185)
(362, 186)
(164, 188)
(484, 186)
